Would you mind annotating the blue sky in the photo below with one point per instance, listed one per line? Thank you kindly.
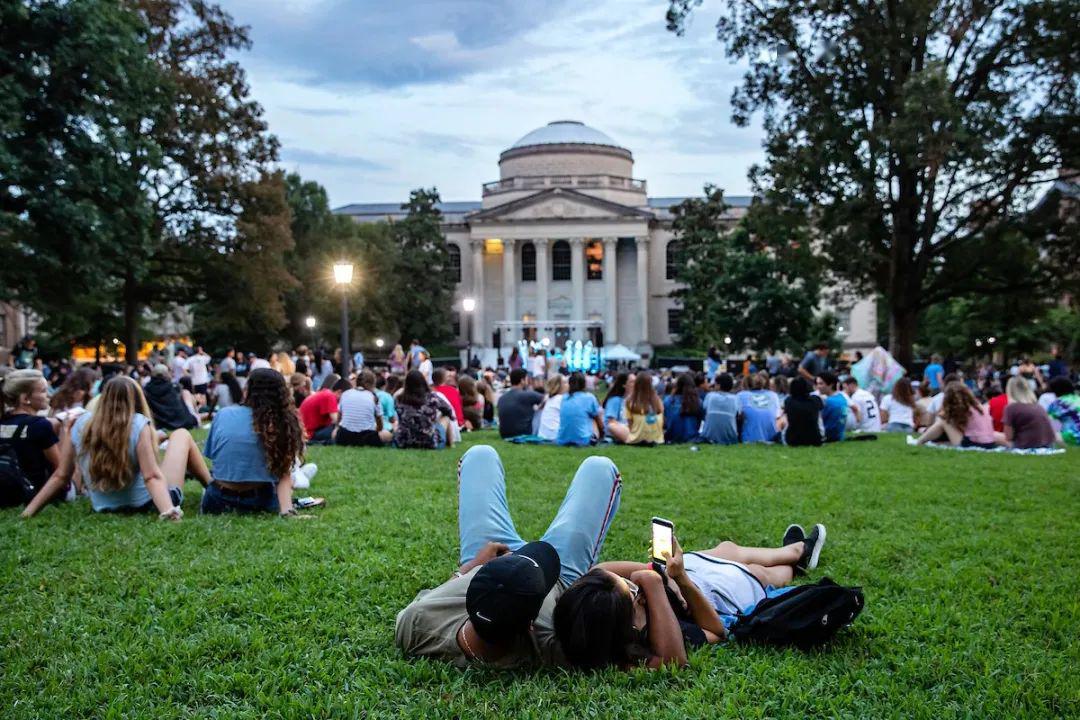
(372, 99)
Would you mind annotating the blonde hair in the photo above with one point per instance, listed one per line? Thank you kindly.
(106, 438)
(1019, 391)
(554, 385)
(283, 363)
(15, 385)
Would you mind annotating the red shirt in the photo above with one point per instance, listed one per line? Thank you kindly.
(454, 397)
(316, 409)
(997, 411)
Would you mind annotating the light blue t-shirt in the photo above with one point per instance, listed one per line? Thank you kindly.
(236, 450)
(613, 411)
(834, 417)
(931, 374)
(720, 427)
(760, 409)
(134, 494)
(576, 419)
(386, 403)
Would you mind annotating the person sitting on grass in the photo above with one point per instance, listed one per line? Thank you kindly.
(227, 391)
(472, 402)
(444, 382)
(385, 387)
(75, 393)
(116, 449)
(721, 426)
(1026, 423)
(361, 415)
(319, 411)
(898, 409)
(1065, 410)
(615, 427)
(834, 407)
(517, 406)
(581, 421)
(556, 387)
(682, 411)
(644, 412)
(35, 439)
(801, 422)
(254, 447)
(170, 409)
(760, 408)
(620, 615)
(963, 421)
(496, 610)
(423, 416)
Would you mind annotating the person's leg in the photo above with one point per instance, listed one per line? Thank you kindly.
(765, 557)
(776, 576)
(580, 526)
(183, 456)
(483, 513)
(619, 432)
(932, 433)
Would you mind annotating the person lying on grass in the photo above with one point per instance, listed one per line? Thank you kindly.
(116, 449)
(497, 609)
(623, 614)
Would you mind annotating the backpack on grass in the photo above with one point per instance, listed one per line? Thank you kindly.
(15, 487)
(807, 616)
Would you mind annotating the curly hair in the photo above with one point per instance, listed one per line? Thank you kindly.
(274, 419)
(958, 404)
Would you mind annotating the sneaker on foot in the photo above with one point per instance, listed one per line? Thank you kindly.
(812, 545)
(911, 440)
(793, 534)
(302, 476)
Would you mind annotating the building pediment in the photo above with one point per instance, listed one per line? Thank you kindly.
(559, 204)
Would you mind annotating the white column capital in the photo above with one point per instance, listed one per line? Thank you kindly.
(642, 240)
(609, 241)
(577, 242)
(508, 242)
(476, 244)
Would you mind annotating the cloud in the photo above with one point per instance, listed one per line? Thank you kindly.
(302, 156)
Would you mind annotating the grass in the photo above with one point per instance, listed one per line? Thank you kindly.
(968, 562)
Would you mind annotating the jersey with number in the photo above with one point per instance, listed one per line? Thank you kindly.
(869, 415)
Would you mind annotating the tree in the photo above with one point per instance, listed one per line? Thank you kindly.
(735, 285)
(919, 132)
(423, 268)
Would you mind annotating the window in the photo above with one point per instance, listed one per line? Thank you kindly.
(561, 261)
(594, 260)
(528, 262)
(674, 321)
(455, 262)
(674, 259)
(843, 321)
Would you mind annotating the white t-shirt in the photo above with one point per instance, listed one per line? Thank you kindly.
(259, 364)
(869, 416)
(359, 408)
(898, 412)
(179, 368)
(228, 365)
(426, 368)
(549, 417)
(197, 367)
(537, 366)
(935, 404)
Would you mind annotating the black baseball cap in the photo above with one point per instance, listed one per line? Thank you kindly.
(506, 593)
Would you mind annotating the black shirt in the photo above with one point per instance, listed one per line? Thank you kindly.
(34, 440)
(803, 415)
(516, 409)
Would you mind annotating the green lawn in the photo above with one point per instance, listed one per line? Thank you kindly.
(967, 561)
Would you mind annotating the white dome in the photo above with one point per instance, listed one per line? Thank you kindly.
(563, 132)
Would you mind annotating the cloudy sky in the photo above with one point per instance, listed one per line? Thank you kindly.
(373, 98)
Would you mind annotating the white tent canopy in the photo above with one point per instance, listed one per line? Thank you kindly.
(620, 353)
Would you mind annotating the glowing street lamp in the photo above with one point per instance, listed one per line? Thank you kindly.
(379, 342)
(343, 272)
(727, 339)
(310, 322)
(468, 305)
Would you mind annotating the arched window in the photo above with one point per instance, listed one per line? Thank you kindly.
(674, 259)
(455, 262)
(561, 260)
(528, 262)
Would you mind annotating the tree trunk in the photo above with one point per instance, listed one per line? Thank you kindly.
(131, 319)
(903, 324)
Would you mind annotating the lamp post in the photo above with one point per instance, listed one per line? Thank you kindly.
(343, 272)
(310, 322)
(468, 305)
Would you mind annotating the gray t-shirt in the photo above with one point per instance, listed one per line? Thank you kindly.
(359, 408)
(429, 625)
(516, 412)
(720, 427)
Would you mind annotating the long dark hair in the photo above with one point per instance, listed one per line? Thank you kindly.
(416, 389)
(576, 383)
(594, 622)
(82, 379)
(275, 420)
(618, 388)
(902, 392)
(229, 380)
(686, 388)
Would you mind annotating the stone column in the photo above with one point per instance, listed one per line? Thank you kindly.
(643, 285)
(543, 279)
(477, 292)
(577, 278)
(611, 320)
(509, 286)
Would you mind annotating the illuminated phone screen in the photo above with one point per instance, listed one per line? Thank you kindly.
(661, 539)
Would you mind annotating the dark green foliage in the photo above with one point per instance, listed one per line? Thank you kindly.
(966, 559)
(422, 269)
(739, 284)
(920, 132)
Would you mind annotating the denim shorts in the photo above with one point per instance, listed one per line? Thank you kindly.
(175, 494)
(218, 500)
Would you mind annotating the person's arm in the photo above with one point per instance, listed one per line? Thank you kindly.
(488, 552)
(622, 568)
(805, 373)
(665, 635)
(61, 475)
(701, 610)
(146, 454)
(284, 495)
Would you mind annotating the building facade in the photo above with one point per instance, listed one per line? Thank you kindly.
(567, 245)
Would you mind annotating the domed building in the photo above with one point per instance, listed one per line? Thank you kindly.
(568, 245)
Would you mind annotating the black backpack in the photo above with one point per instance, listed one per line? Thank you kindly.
(15, 488)
(804, 617)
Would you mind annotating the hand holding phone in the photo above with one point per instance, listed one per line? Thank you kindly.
(663, 536)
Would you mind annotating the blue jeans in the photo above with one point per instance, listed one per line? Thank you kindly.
(322, 436)
(217, 501)
(577, 533)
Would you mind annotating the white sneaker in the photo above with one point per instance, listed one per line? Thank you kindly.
(301, 476)
(911, 440)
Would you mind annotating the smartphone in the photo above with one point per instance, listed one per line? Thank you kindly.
(663, 532)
